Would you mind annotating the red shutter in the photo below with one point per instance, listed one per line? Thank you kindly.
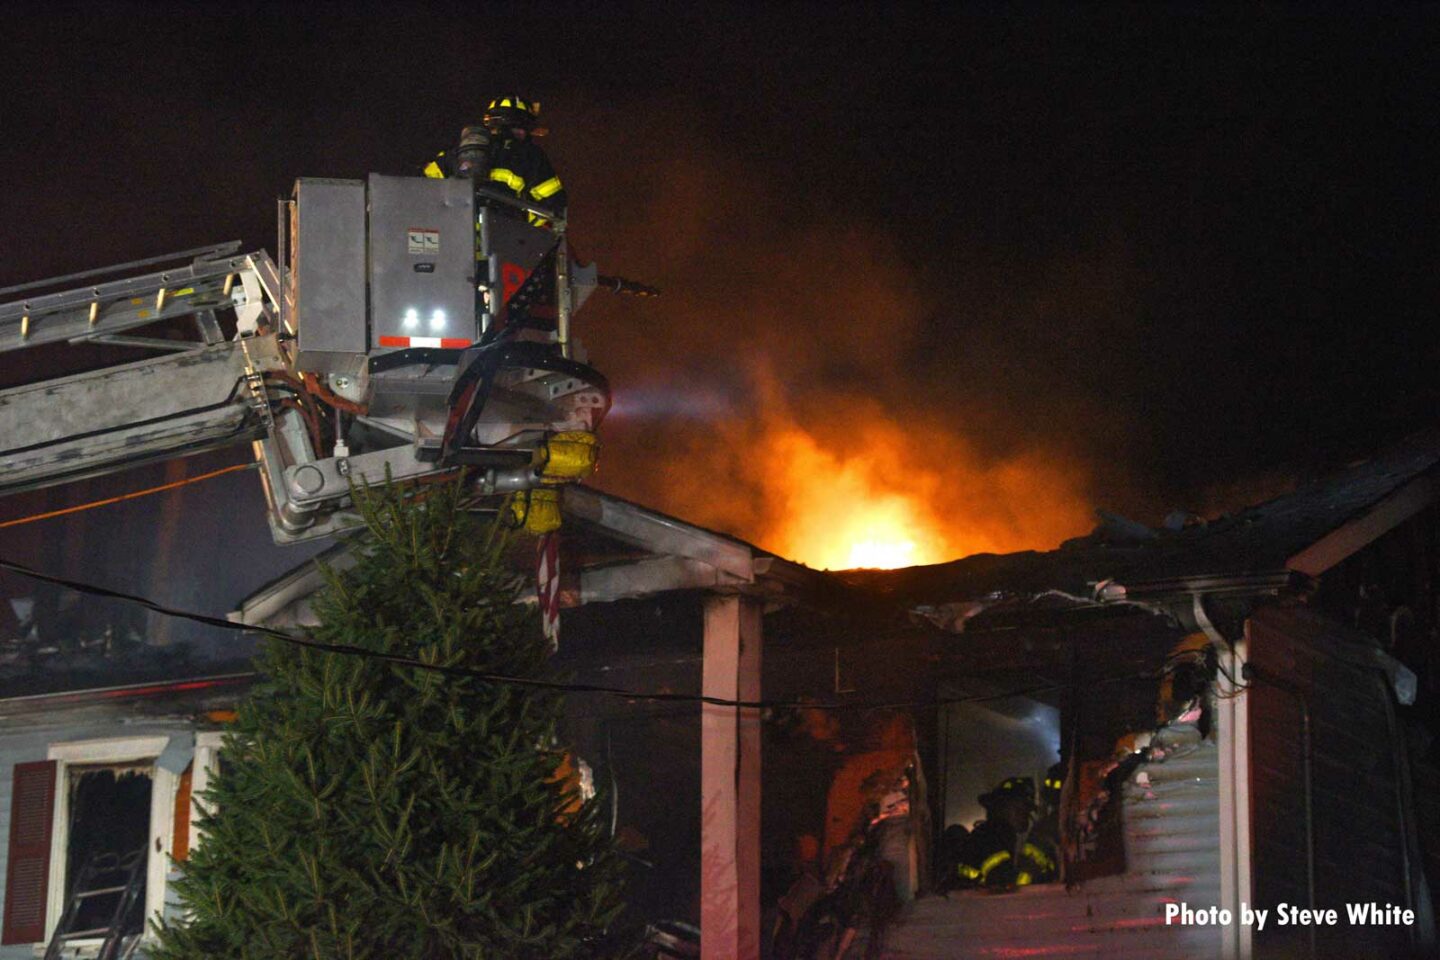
(27, 875)
(180, 841)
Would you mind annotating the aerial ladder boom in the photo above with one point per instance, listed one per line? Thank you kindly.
(410, 330)
(191, 397)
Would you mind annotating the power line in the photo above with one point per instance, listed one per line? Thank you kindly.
(534, 682)
(125, 496)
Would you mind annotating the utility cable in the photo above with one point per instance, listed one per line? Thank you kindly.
(534, 682)
(125, 496)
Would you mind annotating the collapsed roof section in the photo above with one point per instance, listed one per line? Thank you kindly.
(1283, 543)
(618, 550)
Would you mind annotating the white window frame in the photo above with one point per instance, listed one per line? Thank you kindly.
(207, 765)
(164, 785)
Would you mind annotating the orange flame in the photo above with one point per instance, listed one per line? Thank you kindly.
(878, 495)
(840, 513)
(802, 458)
(899, 498)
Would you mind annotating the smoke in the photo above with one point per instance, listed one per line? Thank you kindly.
(773, 391)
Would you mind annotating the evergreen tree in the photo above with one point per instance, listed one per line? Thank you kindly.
(366, 809)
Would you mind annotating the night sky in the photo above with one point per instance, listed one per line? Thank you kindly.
(1143, 259)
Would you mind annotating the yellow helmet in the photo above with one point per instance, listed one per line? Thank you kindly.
(512, 112)
(1021, 788)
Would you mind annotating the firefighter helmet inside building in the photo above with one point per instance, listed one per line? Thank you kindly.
(1011, 788)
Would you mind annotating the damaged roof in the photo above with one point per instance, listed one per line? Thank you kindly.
(623, 550)
(1294, 536)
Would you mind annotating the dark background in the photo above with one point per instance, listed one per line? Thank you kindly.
(1156, 256)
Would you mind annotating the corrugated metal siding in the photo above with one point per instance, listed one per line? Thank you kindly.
(1172, 851)
(1359, 839)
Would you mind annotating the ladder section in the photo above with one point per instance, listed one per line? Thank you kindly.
(102, 904)
(93, 423)
(197, 283)
(198, 393)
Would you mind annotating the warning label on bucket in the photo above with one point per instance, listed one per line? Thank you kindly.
(422, 240)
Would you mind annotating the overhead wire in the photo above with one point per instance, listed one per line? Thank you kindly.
(135, 495)
(540, 683)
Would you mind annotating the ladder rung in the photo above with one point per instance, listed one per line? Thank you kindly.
(129, 891)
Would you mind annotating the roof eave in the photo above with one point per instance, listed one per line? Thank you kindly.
(1366, 527)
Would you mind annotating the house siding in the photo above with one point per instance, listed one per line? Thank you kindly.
(30, 739)
(1171, 817)
(1360, 829)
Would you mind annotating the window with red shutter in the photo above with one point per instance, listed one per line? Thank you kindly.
(27, 876)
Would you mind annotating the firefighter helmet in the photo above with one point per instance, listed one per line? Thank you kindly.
(505, 112)
(1054, 783)
(1022, 788)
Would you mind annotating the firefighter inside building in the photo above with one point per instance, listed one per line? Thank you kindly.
(860, 801)
(872, 855)
(999, 852)
(1045, 835)
(501, 151)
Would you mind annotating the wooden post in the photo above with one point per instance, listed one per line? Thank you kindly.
(730, 782)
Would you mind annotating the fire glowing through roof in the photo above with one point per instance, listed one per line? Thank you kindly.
(876, 494)
(789, 389)
(843, 513)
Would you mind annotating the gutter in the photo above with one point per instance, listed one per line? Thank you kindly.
(36, 703)
(1215, 584)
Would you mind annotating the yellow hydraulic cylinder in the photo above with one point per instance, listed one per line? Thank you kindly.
(567, 457)
(537, 510)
